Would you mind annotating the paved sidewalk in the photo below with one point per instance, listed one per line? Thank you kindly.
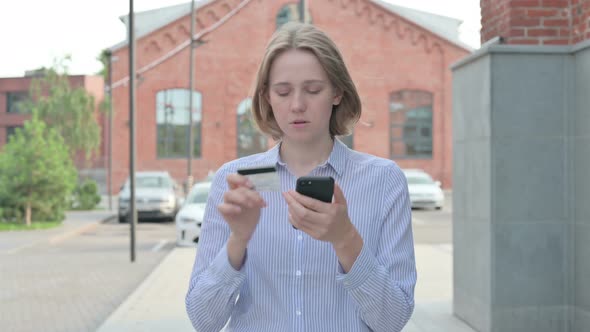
(76, 222)
(158, 303)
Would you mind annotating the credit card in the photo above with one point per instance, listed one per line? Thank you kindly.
(264, 178)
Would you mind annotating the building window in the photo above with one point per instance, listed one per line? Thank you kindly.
(15, 101)
(410, 114)
(172, 119)
(290, 13)
(11, 131)
(250, 140)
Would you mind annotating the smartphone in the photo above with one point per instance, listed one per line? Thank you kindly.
(318, 187)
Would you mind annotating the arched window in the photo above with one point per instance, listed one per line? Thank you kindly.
(250, 140)
(172, 120)
(290, 13)
(410, 114)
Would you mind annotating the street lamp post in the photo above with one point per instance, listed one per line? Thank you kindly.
(189, 179)
(302, 11)
(133, 209)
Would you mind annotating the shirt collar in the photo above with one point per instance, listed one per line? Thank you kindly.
(337, 158)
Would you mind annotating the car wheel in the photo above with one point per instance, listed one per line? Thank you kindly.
(438, 208)
(122, 219)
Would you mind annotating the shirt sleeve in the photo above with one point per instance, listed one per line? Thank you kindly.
(382, 282)
(214, 283)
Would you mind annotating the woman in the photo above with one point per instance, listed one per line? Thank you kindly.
(270, 261)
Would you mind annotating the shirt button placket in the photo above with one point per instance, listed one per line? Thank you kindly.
(299, 244)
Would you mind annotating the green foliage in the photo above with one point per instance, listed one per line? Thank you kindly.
(103, 57)
(85, 196)
(13, 226)
(69, 110)
(36, 174)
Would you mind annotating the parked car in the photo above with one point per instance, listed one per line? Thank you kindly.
(190, 216)
(157, 196)
(424, 191)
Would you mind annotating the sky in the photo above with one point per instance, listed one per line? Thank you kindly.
(82, 28)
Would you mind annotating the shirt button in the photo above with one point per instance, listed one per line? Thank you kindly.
(299, 237)
(298, 273)
(298, 313)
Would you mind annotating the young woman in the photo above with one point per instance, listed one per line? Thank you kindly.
(281, 261)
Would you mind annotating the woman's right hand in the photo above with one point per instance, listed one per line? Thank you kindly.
(241, 207)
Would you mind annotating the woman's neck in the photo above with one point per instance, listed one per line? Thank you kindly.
(301, 159)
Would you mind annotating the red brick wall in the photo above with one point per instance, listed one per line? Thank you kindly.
(536, 22)
(93, 84)
(402, 56)
(580, 10)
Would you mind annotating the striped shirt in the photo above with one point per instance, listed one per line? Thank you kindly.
(292, 282)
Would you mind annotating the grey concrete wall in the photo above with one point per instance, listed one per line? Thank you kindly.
(581, 143)
(529, 192)
(521, 224)
(471, 174)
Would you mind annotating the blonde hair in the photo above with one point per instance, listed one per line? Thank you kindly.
(302, 36)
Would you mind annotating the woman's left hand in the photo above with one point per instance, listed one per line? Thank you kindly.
(322, 221)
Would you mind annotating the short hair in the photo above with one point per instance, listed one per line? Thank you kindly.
(303, 36)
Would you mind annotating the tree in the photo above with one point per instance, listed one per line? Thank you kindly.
(104, 59)
(68, 110)
(37, 175)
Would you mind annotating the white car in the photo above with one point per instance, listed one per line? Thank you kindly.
(190, 216)
(157, 196)
(424, 191)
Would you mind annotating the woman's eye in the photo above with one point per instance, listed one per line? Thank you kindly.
(282, 93)
(314, 92)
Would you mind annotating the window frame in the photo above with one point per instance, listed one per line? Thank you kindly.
(418, 101)
(183, 131)
(11, 104)
(241, 110)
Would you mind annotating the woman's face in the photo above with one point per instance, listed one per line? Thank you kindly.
(301, 96)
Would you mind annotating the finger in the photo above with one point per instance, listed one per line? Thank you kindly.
(339, 195)
(229, 209)
(299, 211)
(304, 226)
(310, 203)
(244, 197)
(235, 180)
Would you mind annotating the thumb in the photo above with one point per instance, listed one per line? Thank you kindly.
(339, 195)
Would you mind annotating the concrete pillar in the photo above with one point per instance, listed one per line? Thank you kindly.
(521, 142)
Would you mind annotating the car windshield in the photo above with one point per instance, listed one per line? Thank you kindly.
(152, 182)
(198, 195)
(413, 179)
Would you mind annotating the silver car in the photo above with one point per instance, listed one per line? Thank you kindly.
(424, 191)
(157, 196)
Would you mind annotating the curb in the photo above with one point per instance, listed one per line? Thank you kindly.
(64, 236)
(134, 297)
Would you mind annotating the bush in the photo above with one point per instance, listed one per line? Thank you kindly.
(36, 174)
(85, 196)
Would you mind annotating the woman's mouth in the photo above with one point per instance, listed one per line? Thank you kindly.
(299, 123)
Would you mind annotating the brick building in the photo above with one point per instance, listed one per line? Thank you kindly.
(14, 90)
(398, 57)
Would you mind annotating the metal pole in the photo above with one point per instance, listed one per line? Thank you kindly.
(133, 211)
(110, 168)
(191, 102)
(302, 11)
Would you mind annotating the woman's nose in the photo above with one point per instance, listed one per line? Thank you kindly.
(298, 102)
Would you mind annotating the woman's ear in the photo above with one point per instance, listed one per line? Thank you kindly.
(264, 94)
(337, 98)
